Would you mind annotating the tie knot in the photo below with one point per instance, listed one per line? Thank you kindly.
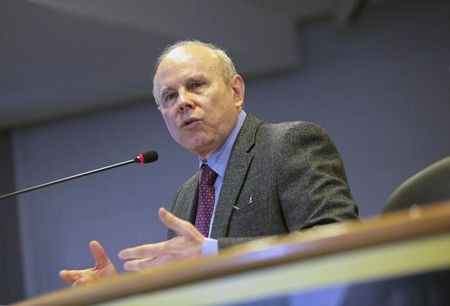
(208, 175)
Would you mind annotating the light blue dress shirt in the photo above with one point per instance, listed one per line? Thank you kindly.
(218, 161)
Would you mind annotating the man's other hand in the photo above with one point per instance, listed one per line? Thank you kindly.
(186, 244)
(103, 268)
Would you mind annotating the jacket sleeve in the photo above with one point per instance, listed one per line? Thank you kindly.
(311, 179)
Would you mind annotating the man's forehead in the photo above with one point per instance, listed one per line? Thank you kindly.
(185, 62)
(175, 72)
(189, 57)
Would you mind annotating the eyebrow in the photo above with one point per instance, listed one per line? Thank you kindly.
(167, 89)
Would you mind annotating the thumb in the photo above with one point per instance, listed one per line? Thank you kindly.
(70, 276)
(99, 254)
(179, 226)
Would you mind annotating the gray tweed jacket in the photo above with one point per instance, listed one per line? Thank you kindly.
(280, 178)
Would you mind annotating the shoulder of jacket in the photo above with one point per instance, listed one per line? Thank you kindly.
(277, 131)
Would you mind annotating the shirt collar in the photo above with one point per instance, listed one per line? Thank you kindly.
(218, 160)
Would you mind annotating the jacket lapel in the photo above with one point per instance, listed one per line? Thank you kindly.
(238, 164)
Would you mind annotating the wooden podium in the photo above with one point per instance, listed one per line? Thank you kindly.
(394, 245)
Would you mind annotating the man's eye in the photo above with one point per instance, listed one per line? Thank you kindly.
(170, 96)
(197, 84)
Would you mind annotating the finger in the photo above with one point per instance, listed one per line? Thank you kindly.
(143, 251)
(99, 254)
(83, 281)
(179, 226)
(70, 276)
(78, 283)
(142, 264)
(138, 264)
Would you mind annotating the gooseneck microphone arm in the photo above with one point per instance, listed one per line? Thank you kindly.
(143, 158)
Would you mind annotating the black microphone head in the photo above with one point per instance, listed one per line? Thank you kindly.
(146, 157)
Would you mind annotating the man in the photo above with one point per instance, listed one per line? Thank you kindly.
(256, 179)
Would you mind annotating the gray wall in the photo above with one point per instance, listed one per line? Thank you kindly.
(381, 89)
(11, 276)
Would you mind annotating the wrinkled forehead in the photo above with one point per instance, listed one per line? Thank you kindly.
(185, 62)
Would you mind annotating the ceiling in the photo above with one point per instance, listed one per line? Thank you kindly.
(60, 57)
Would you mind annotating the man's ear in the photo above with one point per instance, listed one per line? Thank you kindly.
(238, 87)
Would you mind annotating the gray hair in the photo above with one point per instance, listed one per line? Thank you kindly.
(227, 66)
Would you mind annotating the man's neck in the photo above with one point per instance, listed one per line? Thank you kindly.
(226, 146)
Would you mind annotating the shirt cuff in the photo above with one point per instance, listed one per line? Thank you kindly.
(210, 247)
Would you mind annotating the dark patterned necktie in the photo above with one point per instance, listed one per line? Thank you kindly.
(205, 200)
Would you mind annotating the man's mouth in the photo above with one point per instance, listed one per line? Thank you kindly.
(189, 122)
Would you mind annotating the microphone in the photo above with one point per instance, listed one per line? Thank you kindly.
(143, 158)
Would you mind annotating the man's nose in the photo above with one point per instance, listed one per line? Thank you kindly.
(185, 100)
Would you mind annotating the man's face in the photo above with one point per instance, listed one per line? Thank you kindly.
(200, 109)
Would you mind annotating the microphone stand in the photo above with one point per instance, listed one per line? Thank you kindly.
(68, 178)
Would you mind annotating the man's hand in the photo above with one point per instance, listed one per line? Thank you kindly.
(103, 268)
(187, 244)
